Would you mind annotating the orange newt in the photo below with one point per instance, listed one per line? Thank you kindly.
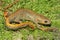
(14, 21)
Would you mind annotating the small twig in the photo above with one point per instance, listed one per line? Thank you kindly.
(10, 5)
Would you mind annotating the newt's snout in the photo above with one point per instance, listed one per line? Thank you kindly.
(43, 20)
(47, 22)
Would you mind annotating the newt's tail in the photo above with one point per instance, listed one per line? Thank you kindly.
(20, 25)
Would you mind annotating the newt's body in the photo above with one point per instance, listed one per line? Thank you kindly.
(25, 14)
(15, 20)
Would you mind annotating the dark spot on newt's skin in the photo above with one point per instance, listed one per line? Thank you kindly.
(14, 22)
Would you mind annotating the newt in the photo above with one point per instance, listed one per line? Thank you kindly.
(25, 14)
(14, 21)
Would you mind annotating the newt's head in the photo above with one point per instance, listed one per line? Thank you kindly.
(43, 20)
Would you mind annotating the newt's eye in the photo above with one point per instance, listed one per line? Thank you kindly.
(45, 21)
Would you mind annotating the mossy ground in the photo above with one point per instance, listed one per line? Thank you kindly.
(49, 8)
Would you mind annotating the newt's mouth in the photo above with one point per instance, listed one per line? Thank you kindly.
(45, 24)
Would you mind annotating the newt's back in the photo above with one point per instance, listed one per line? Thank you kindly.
(26, 14)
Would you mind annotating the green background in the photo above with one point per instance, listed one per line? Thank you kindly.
(49, 8)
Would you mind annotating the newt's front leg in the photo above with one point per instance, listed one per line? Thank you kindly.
(51, 29)
(41, 27)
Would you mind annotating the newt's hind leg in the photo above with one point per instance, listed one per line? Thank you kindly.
(26, 23)
(30, 24)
